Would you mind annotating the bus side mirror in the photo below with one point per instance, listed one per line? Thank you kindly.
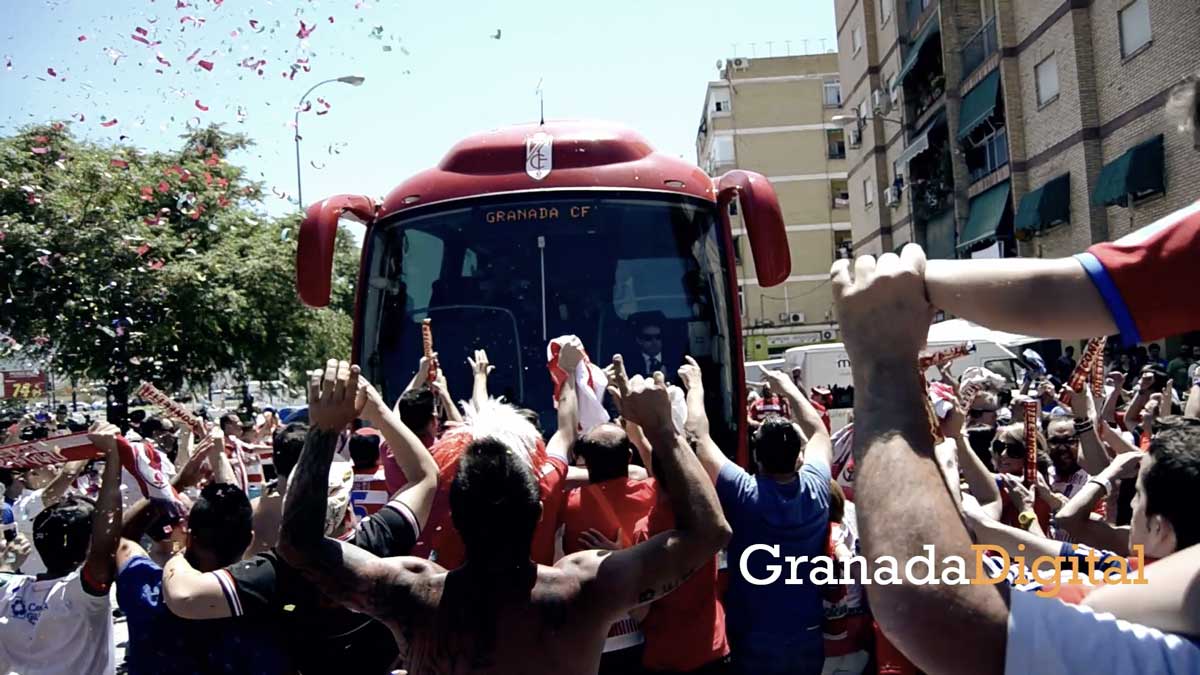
(764, 223)
(314, 247)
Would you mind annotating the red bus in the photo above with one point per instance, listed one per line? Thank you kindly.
(526, 233)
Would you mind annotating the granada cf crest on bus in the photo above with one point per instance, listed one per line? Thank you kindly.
(538, 158)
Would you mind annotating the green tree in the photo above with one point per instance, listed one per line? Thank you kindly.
(122, 265)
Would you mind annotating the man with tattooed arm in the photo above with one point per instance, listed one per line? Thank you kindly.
(500, 611)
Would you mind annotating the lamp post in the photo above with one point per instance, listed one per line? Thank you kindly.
(352, 80)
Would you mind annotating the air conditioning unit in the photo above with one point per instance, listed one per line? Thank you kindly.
(895, 96)
(891, 196)
(854, 137)
(740, 63)
(796, 317)
(881, 103)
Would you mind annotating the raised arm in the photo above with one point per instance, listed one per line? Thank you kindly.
(894, 446)
(710, 456)
(57, 489)
(818, 446)
(480, 369)
(980, 481)
(1192, 407)
(1133, 414)
(1032, 296)
(410, 453)
(1092, 457)
(1108, 413)
(100, 567)
(343, 572)
(568, 402)
(1076, 515)
(618, 386)
(614, 582)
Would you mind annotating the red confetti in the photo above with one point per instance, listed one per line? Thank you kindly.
(305, 30)
(193, 55)
(163, 187)
(79, 116)
(109, 123)
(162, 59)
(185, 176)
(234, 33)
(143, 250)
(156, 265)
(201, 106)
(212, 160)
(199, 210)
(254, 24)
(119, 163)
(195, 20)
(180, 4)
(140, 39)
(207, 178)
(207, 65)
(147, 194)
(331, 19)
(82, 38)
(51, 72)
(40, 150)
(223, 182)
(141, 31)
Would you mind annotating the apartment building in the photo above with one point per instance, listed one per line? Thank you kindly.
(1015, 127)
(774, 115)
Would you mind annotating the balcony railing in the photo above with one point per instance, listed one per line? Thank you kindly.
(981, 45)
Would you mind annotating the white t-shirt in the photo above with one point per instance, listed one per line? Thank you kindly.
(25, 508)
(1047, 636)
(54, 627)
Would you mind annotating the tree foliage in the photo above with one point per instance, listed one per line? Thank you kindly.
(160, 260)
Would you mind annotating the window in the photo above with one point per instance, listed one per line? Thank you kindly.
(742, 300)
(839, 190)
(1045, 75)
(862, 111)
(843, 246)
(737, 249)
(833, 93)
(856, 39)
(733, 207)
(835, 141)
(720, 101)
(885, 11)
(722, 150)
(1134, 21)
(869, 191)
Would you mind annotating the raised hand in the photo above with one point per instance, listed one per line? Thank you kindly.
(617, 377)
(648, 405)
(480, 365)
(335, 398)
(104, 436)
(690, 376)
(570, 354)
(1126, 464)
(1020, 495)
(1117, 378)
(892, 287)
(1145, 383)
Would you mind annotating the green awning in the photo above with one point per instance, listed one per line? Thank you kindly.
(986, 211)
(933, 27)
(1048, 205)
(1137, 172)
(939, 236)
(978, 104)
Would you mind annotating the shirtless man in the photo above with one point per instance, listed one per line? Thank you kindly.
(499, 612)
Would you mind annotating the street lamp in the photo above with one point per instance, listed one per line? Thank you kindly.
(352, 80)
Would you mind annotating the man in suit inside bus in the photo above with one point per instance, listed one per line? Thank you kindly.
(652, 354)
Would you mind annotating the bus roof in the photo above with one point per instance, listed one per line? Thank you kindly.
(583, 155)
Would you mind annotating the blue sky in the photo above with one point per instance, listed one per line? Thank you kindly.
(642, 63)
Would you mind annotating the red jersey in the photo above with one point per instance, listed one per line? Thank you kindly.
(1131, 272)
(441, 543)
(685, 629)
(613, 507)
(776, 405)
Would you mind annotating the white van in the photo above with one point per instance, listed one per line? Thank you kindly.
(754, 369)
(827, 365)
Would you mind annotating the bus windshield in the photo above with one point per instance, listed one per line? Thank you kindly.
(639, 274)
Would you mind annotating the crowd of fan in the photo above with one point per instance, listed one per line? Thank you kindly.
(431, 536)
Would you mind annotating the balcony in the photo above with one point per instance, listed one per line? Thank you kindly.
(979, 47)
